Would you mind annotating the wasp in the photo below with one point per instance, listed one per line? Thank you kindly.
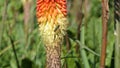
(56, 28)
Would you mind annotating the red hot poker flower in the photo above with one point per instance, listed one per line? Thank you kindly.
(51, 16)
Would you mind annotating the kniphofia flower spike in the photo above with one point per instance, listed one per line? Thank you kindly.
(52, 19)
(51, 16)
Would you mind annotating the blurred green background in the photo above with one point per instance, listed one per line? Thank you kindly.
(19, 33)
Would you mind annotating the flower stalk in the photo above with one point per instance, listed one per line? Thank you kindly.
(105, 17)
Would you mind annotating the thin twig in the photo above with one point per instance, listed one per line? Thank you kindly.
(79, 18)
(27, 17)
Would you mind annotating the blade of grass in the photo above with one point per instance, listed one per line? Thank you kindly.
(85, 47)
(117, 21)
(117, 46)
(82, 51)
(4, 16)
(7, 48)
